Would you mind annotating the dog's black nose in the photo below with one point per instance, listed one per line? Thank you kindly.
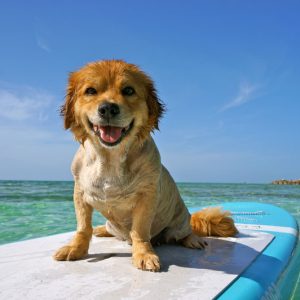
(108, 110)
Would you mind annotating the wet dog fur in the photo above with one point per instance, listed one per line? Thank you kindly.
(112, 107)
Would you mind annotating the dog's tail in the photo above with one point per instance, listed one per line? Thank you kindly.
(213, 222)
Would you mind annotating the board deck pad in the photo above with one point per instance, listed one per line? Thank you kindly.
(29, 272)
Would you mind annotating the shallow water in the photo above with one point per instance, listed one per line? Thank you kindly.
(31, 209)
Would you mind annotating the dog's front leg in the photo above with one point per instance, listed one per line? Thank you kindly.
(79, 245)
(143, 255)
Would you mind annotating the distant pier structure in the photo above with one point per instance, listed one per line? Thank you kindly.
(286, 181)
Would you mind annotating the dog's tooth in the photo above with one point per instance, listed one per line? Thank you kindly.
(96, 127)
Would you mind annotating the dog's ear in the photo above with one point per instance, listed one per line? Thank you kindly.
(156, 107)
(67, 110)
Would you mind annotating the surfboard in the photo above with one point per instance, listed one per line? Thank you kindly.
(247, 266)
(260, 279)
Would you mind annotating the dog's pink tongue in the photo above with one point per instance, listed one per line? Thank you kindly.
(110, 134)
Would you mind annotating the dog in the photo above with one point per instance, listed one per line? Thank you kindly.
(112, 107)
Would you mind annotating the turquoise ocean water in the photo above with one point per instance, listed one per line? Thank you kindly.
(30, 209)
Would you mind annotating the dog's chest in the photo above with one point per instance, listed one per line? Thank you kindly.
(103, 189)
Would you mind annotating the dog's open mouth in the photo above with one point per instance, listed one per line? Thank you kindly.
(111, 135)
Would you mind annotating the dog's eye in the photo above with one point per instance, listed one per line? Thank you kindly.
(90, 91)
(128, 91)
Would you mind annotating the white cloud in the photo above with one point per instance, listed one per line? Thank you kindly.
(43, 44)
(23, 104)
(33, 142)
(246, 93)
(32, 153)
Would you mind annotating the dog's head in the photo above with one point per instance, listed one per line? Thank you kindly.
(111, 102)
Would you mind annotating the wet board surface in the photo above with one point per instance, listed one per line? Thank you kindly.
(29, 272)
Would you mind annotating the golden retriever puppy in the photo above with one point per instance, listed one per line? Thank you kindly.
(111, 107)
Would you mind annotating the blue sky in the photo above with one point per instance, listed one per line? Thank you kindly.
(228, 71)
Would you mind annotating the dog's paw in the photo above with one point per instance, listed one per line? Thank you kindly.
(146, 261)
(70, 253)
(194, 241)
(100, 231)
